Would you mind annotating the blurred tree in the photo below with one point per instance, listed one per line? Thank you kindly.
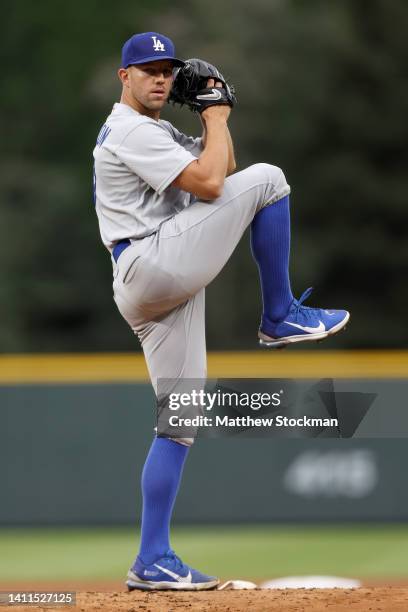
(321, 93)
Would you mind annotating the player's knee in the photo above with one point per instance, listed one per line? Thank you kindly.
(273, 174)
(276, 186)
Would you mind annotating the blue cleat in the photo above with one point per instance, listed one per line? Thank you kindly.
(168, 573)
(302, 324)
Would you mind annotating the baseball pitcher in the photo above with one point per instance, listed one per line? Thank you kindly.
(171, 212)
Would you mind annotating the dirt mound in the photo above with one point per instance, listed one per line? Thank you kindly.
(377, 599)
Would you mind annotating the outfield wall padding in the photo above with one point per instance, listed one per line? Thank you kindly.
(72, 454)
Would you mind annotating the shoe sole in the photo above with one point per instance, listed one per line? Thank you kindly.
(268, 342)
(134, 582)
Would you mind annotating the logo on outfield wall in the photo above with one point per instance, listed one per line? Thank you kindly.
(352, 474)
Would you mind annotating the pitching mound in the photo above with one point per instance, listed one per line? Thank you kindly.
(391, 599)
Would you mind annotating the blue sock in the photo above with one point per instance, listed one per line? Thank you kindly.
(160, 482)
(270, 244)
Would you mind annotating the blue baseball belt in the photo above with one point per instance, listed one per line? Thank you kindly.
(120, 247)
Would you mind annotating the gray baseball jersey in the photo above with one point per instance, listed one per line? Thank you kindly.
(136, 160)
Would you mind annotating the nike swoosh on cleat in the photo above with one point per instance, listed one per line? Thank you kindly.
(310, 330)
(215, 95)
(187, 578)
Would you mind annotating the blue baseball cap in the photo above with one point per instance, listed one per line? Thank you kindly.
(148, 47)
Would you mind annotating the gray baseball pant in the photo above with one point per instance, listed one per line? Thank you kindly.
(159, 280)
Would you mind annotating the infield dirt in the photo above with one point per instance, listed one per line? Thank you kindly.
(375, 599)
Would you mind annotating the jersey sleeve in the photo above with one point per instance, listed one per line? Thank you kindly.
(150, 152)
(194, 145)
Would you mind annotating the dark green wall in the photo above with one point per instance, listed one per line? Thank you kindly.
(73, 455)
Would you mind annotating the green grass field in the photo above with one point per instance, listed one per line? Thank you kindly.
(257, 552)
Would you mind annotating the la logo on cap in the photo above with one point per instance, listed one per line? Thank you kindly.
(157, 44)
